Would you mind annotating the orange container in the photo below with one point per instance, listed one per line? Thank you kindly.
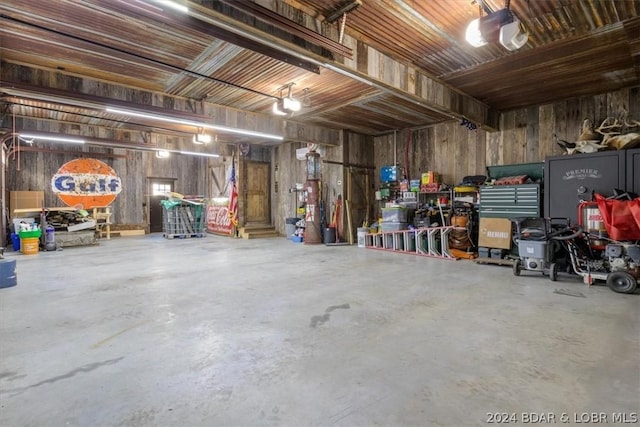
(30, 245)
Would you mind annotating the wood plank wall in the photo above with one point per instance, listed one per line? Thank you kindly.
(526, 136)
(450, 149)
(287, 170)
(35, 170)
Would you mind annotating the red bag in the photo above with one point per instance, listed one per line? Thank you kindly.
(621, 217)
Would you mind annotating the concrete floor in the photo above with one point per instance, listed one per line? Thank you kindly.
(144, 331)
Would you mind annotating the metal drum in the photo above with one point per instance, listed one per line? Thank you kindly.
(591, 220)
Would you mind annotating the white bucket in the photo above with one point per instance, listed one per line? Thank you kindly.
(362, 232)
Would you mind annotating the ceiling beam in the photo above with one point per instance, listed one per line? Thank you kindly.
(456, 105)
(292, 27)
(211, 113)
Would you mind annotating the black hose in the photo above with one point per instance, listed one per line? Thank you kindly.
(557, 234)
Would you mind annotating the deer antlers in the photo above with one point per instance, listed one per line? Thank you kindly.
(616, 135)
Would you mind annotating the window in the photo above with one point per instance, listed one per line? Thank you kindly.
(160, 188)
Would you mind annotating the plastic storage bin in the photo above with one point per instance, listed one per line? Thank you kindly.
(398, 214)
(484, 252)
(393, 226)
(388, 173)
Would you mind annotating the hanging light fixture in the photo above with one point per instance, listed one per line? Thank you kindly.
(486, 29)
(288, 104)
(511, 35)
(499, 26)
(201, 138)
(276, 109)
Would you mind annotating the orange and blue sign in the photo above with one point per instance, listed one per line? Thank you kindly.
(86, 183)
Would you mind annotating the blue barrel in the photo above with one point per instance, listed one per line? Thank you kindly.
(15, 240)
(8, 275)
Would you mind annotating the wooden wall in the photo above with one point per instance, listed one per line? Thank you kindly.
(287, 170)
(34, 170)
(451, 149)
(345, 168)
(526, 136)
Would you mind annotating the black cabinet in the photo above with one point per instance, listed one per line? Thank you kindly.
(568, 180)
(633, 171)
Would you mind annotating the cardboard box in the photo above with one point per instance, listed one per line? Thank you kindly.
(25, 200)
(430, 177)
(495, 233)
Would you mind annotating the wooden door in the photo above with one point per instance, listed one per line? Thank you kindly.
(159, 188)
(257, 184)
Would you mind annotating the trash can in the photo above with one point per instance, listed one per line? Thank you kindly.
(30, 242)
(290, 226)
(15, 240)
(362, 233)
(329, 235)
(8, 275)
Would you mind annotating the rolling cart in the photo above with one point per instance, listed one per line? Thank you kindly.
(537, 248)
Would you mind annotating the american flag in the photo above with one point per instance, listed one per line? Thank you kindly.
(233, 197)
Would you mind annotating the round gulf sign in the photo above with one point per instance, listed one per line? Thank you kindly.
(86, 183)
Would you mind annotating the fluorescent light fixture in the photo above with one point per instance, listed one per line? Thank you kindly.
(162, 154)
(201, 138)
(193, 153)
(173, 5)
(52, 138)
(196, 124)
